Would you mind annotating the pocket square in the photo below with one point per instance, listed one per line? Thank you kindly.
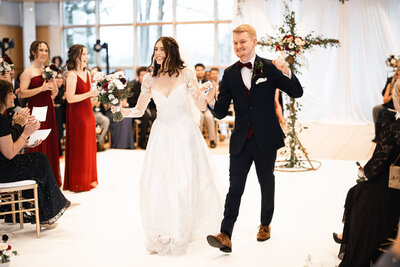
(261, 80)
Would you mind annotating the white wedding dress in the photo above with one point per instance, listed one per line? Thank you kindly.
(179, 195)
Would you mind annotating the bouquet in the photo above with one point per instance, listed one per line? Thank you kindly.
(391, 61)
(50, 72)
(112, 89)
(5, 250)
(360, 174)
(5, 66)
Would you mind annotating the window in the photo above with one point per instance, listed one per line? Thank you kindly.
(203, 30)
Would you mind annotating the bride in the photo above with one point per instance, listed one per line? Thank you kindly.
(178, 194)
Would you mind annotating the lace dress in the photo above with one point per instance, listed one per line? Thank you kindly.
(178, 191)
(372, 210)
(34, 166)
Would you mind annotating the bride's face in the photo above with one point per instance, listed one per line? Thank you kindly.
(159, 52)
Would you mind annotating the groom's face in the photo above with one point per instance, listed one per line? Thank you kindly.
(244, 45)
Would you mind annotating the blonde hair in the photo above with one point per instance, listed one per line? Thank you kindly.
(246, 28)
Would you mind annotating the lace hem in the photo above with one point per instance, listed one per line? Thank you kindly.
(55, 218)
(165, 245)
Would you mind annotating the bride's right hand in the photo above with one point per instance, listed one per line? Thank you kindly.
(125, 112)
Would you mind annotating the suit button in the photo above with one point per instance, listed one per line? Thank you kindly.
(248, 123)
(251, 108)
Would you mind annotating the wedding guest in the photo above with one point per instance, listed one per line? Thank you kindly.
(207, 75)
(279, 111)
(151, 111)
(372, 209)
(392, 257)
(40, 93)
(385, 113)
(80, 138)
(99, 114)
(31, 166)
(121, 131)
(60, 108)
(206, 114)
(57, 60)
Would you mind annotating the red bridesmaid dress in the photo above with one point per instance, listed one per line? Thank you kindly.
(80, 143)
(49, 146)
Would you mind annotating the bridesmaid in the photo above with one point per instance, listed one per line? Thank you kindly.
(41, 93)
(81, 148)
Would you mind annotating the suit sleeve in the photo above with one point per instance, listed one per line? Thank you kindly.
(221, 106)
(290, 86)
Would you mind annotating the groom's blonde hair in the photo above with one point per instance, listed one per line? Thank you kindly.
(246, 28)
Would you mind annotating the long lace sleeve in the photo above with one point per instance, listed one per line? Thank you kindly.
(381, 159)
(194, 89)
(144, 98)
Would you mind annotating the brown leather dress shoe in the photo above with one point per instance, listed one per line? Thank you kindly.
(264, 233)
(221, 241)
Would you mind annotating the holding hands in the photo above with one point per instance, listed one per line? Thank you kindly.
(281, 64)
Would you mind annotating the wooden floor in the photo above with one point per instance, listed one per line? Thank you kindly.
(328, 141)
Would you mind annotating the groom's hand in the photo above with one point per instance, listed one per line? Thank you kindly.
(281, 64)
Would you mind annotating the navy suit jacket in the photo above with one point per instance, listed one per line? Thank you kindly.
(258, 109)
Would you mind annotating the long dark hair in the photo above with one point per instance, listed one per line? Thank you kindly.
(172, 62)
(5, 89)
(33, 50)
(74, 53)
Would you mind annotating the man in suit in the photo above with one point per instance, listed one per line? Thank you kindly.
(251, 84)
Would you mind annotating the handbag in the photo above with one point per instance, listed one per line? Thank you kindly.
(394, 175)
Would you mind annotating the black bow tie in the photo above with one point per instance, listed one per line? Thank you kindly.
(247, 65)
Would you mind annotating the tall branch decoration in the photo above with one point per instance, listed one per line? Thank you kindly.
(293, 46)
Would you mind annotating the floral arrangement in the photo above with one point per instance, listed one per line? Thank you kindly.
(5, 66)
(112, 89)
(293, 45)
(5, 250)
(50, 72)
(392, 61)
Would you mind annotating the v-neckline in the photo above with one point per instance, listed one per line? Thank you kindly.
(81, 78)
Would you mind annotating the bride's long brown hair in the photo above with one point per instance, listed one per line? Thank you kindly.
(172, 62)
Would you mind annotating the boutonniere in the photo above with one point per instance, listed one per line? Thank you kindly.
(258, 72)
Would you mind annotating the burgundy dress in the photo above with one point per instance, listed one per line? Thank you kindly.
(49, 146)
(80, 146)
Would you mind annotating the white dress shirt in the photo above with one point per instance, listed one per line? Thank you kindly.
(247, 73)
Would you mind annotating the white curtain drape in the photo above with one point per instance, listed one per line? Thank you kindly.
(341, 84)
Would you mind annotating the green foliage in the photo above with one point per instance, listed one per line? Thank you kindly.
(293, 46)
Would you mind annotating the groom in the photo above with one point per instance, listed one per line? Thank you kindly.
(251, 84)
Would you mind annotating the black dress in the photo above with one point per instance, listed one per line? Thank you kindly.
(34, 166)
(372, 209)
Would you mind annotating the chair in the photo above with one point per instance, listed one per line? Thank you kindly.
(7, 197)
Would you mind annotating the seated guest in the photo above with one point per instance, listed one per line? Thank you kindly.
(121, 131)
(381, 113)
(206, 114)
(392, 257)
(32, 166)
(99, 115)
(151, 111)
(60, 108)
(372, 209)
